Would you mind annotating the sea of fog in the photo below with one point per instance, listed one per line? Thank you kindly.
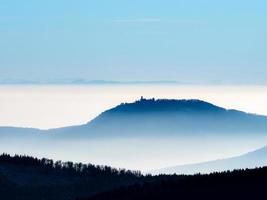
(51, 106)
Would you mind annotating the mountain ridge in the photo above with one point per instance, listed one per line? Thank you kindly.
(153, 105)
(158, 116)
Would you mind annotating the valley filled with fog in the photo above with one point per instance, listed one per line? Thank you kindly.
(48, 106)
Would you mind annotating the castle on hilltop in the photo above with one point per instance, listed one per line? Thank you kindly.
(142, 99)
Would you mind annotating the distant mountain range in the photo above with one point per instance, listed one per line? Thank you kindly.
(82, 82)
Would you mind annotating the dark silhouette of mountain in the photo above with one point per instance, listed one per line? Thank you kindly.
(235, 185)
(28, 178)
(165, 105)
(252, 159)
(164, 117)
(139, 128)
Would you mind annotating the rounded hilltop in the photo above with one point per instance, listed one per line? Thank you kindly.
(154, 105)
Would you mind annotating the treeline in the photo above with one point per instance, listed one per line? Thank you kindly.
(29, 178)
(238, 184)
(67, 167)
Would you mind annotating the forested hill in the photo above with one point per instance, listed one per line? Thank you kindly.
(24, 177)
(28, 178)
(154, 117)
(171, 117)
(166, 105)
(236, 185)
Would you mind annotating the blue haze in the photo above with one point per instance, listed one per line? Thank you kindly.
(189, 41)
(156, 133)
(249, 160)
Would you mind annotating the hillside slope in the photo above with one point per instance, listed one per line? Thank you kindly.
(252, 159)
(164, 117)
(28, 178)
(236, 185)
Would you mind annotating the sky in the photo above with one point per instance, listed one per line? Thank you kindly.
(190, 41)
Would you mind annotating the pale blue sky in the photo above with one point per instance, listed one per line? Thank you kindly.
(201, 41)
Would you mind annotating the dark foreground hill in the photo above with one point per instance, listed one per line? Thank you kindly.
(235, 185)
(252, 159)
(28, 178)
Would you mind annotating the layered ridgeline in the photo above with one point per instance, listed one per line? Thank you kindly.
(163, 117)
(252, 159)
(147, 134)
(29, 178)
(235, 185)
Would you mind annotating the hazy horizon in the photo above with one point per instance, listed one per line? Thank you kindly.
(63, 63)
(76, 76)
(54, 106)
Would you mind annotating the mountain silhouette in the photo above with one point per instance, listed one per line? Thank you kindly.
(165, 117)
(157, 133)
(28, 178)
(161, 118)
(238, 184)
